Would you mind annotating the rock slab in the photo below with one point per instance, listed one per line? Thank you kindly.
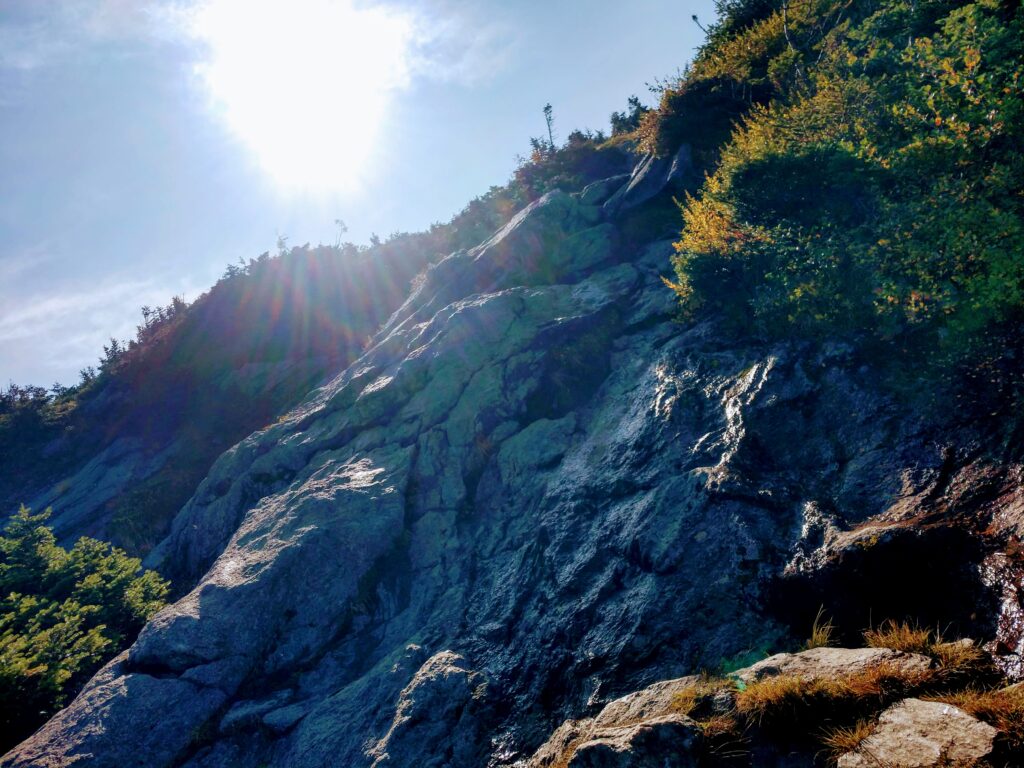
(923, 734)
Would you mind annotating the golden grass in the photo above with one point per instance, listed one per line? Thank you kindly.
(791, 698)
(901, 636)
(960, 657)
(953, 659)
(840, 740)
(772, 697)
(685, 701)
(718, 726)
(822, 631)
(1003, 709)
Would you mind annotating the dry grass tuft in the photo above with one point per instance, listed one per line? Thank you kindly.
(821, 631)
(901, 636)
(782, 697)
(686, 700)
(1003, 709)
(886, 682)
(960, 657)
(797, 700)
(841, 740)
(720, 726)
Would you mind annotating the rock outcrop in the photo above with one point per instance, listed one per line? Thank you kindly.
(534, 492)
(831, 663)
(923, 734)
(653, 727)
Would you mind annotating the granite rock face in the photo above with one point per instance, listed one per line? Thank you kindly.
(535, 492)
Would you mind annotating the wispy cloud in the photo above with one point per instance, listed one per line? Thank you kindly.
(72, 324)
(454, 41)
(34, 34)
(467, 43)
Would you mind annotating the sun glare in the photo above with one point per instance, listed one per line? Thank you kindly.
(305, 84)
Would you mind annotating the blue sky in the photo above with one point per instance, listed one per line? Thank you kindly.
(147, 143)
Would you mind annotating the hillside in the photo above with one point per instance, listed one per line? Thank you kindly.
(599, 434)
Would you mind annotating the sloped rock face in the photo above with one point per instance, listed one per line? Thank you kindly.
(534, 492)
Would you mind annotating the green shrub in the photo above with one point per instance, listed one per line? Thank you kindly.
(876, 192)
(63, 613)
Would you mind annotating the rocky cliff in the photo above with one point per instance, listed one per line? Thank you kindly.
(118, 457)
(535, 492)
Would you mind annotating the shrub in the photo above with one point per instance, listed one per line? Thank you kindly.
(871, 187)
(62, 615)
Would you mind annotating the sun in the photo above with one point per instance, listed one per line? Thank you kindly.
(304, 84)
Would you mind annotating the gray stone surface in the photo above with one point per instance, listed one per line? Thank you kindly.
(661, 742)
(534, 478)
(79, 501)
(652, 176)
(830, 663)
(923, 734)
(640, 729)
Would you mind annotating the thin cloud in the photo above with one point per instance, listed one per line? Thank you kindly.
(35, 35)
(73, 325)
(462, 43)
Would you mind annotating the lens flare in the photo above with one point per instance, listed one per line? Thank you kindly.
(305, 84)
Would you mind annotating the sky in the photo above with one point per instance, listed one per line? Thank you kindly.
(146, 144)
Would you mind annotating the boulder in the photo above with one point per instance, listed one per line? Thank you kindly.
(661, 742)
(923, 734)
(440, 708)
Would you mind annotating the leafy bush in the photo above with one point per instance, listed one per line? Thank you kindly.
(63, 613)
(872, 187)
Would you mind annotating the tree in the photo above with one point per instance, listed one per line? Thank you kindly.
(62, 615)
(549, 119)
(628, 120)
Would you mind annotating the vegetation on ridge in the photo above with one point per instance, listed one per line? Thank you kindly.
(871, 181)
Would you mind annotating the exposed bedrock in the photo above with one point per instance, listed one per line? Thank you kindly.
(535, 491)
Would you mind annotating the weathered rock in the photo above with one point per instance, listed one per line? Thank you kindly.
(440, 705)
(245, 714)
(923, 734)
(599, 191)
(652, 176)
(285, 718)
(833, 663)
(97, 729)
(639, 730)
(79, 501)
(534, 476)
(662, 742)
